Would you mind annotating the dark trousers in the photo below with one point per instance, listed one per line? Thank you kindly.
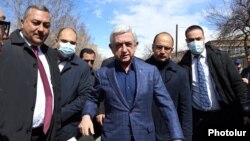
(216, 120)
(37, 134)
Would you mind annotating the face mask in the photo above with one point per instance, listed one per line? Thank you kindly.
(67, 49)
(196, 47)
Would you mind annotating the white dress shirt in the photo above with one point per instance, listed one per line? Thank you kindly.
(212, 93)
(39, 111)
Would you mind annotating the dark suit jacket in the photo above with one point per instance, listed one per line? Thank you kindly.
(75, 86)
(18, 79)
(229, 85)
(176, 81)
(120, 119)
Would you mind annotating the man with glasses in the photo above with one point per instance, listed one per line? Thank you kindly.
(176, 81)
(2, 17)
(4, 27)
(75, 85)
(219, 96)
(128, 87)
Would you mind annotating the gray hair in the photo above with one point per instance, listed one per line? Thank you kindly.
(37, 7)
(120, 29)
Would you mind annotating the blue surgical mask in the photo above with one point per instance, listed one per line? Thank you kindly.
(67, 49)
(196, 47)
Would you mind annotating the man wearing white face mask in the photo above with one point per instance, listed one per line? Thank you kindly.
(219, 96)
(75, 86)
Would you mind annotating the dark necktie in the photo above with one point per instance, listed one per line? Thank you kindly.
(205, 103)
(47, 90)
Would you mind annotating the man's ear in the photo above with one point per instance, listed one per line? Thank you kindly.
(21, 24)
(137, 43)
(111, 48)
(57, 43)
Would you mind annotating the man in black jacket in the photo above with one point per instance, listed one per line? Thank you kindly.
(75, 83)
(4, 27)
(176, 81)
(29, 81)
(221, 103)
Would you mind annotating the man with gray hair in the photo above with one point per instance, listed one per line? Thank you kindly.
(29, 84)
(128, 87)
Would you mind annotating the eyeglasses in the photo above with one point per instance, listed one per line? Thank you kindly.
(2, 18)
(91, 61)
(66, 41)
(5, 26)
(160, 47)
(196, 39)
(127, 44)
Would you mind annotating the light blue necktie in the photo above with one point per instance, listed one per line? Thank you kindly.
(204, 99)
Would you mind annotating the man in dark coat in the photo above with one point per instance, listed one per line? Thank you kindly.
(176, 81)
(26, 97)
(88, 55)
(226, 95)
(75, 83)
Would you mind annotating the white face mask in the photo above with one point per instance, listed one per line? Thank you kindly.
(196, 47)
(67, 49)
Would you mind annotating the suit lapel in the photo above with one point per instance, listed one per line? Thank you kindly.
(66, 67)
(115, 86)
(138, 75)
(51, 59)
(168, 72)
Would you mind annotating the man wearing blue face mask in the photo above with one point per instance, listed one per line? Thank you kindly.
(219, 96)
(75, 84)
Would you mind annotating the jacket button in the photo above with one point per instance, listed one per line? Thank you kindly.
(32, 108)
(130, 111)
(28, 131)
(35, 65)
(35, 85)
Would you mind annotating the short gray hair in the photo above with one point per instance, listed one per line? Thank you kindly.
(120, 29)
(37, 7)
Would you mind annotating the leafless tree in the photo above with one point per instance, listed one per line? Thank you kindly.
(61, 13)
(232, 20)
(147, 52)
(62, 16)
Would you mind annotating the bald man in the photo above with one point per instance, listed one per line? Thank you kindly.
(75, 84)
(176, 81)
(2, 18)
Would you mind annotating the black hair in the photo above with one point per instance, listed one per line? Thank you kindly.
(86, 50)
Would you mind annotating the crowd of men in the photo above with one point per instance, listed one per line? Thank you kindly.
(52, 94)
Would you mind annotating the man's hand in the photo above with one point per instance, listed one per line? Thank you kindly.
(245, 80)
(246, 120)
(100, 118)
(86, 126)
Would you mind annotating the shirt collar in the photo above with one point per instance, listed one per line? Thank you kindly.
(119, 68)
(29, 44)
(203, 54)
